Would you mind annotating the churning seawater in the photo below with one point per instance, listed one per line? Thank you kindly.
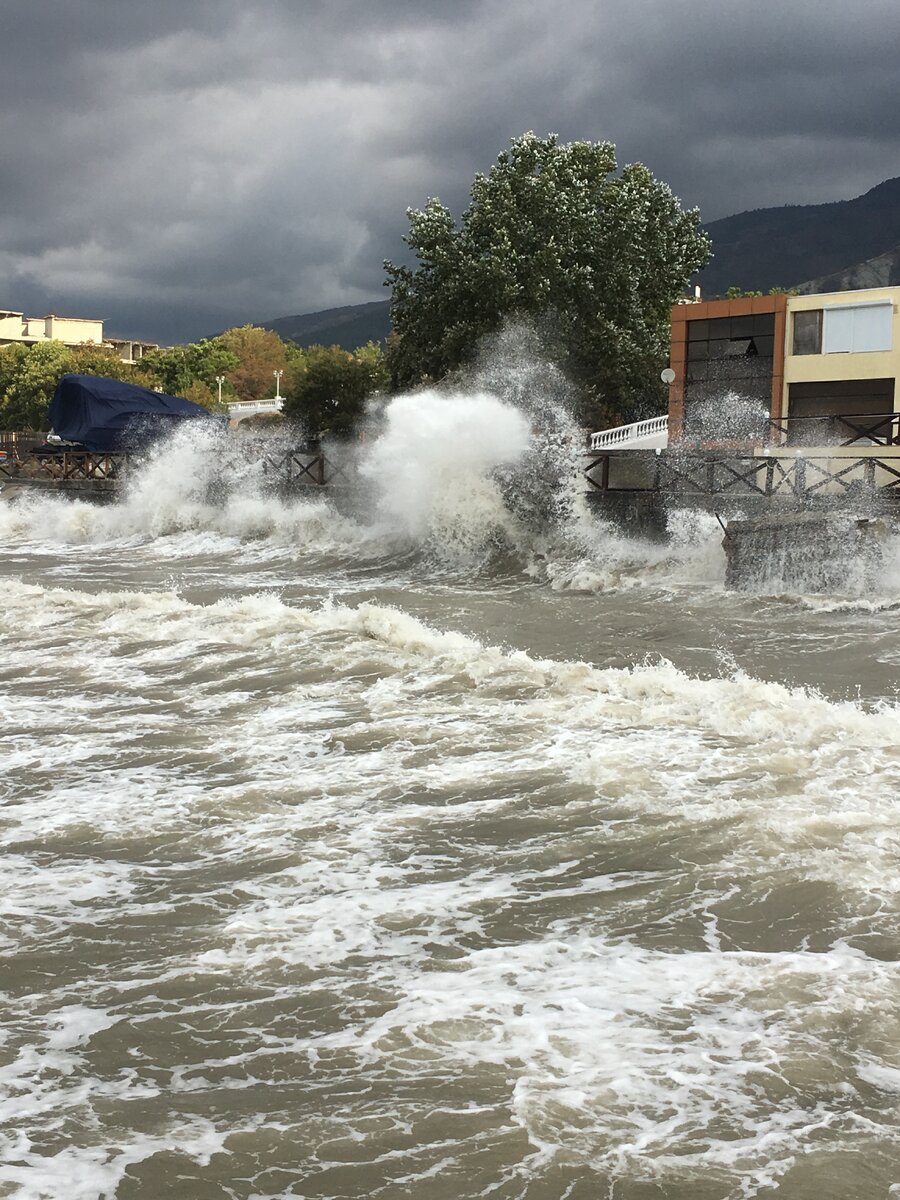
(424, 848)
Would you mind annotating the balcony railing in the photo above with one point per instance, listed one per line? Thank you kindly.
(250, 408)
(683, 473)
(632, 435)
(840, 429)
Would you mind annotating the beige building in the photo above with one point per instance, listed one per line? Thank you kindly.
(16, 328)
(816, 370)
(842, 367)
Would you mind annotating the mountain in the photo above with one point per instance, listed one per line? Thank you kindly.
(795, 244)
(882, 271)
(350, 326)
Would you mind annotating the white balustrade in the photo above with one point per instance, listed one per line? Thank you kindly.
(653, 432)
(249, 408)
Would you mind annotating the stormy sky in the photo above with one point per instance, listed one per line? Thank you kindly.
(186, 165)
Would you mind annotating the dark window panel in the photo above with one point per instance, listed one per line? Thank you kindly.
(808, 332)
(698, 331)
(742, 327)
(718, 347)
(765, 346)
(720, 327)
(764, 323)
(697, 351)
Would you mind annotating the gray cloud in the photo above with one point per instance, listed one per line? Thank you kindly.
(191, 164)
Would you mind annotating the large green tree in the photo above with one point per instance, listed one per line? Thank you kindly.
(259, 354)
(328, 387)
(592, 256)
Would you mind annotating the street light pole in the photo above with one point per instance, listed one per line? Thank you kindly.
(278, 375)
(220, 379)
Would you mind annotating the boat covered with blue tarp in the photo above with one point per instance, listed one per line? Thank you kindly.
(106, 415)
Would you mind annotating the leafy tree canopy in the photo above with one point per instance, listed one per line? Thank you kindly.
(29, 375)
(259, 353)
(593, 256)
(328, 387)
(176, 369)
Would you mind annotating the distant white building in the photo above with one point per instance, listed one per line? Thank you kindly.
(17, 329)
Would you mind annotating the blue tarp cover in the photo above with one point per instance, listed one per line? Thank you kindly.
(105, 414)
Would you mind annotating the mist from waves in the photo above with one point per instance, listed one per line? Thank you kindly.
(482, 481)
(478, 481)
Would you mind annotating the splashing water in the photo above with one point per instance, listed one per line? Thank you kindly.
(433, 465)
(475, 481)
(343, 875)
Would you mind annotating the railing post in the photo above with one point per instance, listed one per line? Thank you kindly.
(799, 478)
(770, 475)
(869, 475)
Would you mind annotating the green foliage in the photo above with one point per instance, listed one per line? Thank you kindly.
(29, 375)
(327, 389)
(258, 353)
(553, 233)
(330, 387)
(736, 293)
(100, 360)
(175, 369)
(28, 379)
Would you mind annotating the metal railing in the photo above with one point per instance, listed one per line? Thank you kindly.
(716, 473)
(840, 429)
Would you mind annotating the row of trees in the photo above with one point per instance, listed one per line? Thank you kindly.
(325, 388)
(555, 237)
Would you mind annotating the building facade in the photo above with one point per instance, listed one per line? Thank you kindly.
(816, 370)
(17, 329)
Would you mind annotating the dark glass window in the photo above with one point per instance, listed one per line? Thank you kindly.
(808, 332)
(698, 331)
(741, 327)
(764, 323)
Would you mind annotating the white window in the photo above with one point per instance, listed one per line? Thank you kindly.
(857, 328)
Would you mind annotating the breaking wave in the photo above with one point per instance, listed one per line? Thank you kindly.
(423, 903)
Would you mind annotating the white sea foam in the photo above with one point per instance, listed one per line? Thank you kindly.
(620, 911)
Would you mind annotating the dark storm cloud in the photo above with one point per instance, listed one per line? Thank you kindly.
(187, 165)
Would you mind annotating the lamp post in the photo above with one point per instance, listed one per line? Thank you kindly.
(220, 379)
(278, 375)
